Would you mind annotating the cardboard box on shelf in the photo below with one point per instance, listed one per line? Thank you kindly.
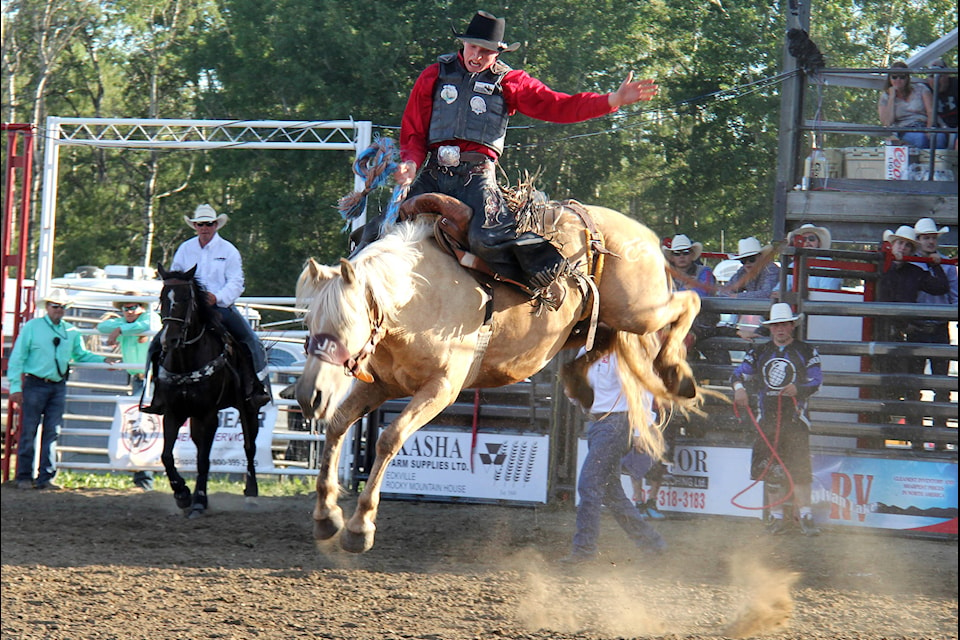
(863, 163)
(896, 162)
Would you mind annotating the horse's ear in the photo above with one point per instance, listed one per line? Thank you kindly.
(192, 271)
(314, 269)
(161, 271)
(346, 271)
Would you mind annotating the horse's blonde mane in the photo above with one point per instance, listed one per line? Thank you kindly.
(384, 271)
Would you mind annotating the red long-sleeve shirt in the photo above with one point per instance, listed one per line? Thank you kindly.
(522, 93)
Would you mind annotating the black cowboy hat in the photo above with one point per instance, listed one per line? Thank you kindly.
(486, 30)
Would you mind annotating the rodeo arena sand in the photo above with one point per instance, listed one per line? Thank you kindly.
(125, 565)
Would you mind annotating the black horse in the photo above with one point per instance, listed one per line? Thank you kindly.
(199, 373)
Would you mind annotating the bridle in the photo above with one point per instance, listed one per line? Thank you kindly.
(330, 349)
(187, 319)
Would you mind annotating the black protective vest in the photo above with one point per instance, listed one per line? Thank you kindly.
(469, 106)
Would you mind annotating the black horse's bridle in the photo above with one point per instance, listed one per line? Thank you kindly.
(187, 319)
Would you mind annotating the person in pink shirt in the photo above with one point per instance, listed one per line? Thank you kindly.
(452, 134)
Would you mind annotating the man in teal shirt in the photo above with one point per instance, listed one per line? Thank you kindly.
(132, 332)
(38, 370)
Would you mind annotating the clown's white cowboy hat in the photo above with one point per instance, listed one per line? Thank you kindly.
(56, 296)
(747, 247)
(486, 30)
(120, 304)
(681, 242)
(903, 232)
(927, 225)
(821, 232)
(781, 312)
(206, 213)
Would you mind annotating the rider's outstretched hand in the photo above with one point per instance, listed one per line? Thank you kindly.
(630, 91)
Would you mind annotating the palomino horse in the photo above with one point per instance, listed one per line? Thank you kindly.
(199, 370)
(404, 319)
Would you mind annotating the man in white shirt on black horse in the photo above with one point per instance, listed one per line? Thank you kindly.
(220, 271)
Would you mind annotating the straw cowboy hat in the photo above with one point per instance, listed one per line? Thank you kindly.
(681, 242)
(927, 225)
(206, 213)
(56, 296)
(904, 232)
(749, 247)
(821, 232)
(486, 30)
(120, 304)
(781, 312)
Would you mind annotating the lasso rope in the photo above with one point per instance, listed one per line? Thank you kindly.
(775, 457)
(375, 165)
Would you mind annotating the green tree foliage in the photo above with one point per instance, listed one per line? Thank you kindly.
(700, 159)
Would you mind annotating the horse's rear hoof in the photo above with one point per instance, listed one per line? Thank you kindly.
(184, 500)
(250, 504)
(197, 511)
(328, 527)
(687, 388)
(356, 542)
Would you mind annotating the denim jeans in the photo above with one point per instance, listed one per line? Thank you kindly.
(607, 441)
(922, 140)
(46, 400)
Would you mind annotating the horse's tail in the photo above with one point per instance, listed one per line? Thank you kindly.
(635, 356)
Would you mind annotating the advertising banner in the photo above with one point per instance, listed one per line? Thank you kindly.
(704, 480)
(502, 467)
(136, 441)
(882, 493)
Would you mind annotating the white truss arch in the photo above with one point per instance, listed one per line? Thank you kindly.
(168, 133)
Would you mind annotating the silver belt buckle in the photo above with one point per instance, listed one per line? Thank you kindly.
(448, 156)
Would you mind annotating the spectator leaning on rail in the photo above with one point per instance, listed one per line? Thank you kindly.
(809, 236)
(748, 282)
(902, 281)
(220, 271)
(38, 371)
(780, 376)
(908, 105)
(934, 331)
(131, 332)
(690, 274)
(453, 131)
(608, 441)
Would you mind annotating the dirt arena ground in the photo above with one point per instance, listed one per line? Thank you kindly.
(98, 564)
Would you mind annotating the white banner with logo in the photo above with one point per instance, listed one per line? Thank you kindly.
(705, 480)
(136, 441)
(502, 467)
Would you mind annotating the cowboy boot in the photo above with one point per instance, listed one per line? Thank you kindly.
(362, 236)
(540, 261)
(255, 391)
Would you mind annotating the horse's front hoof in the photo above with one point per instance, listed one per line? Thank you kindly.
(197, 511)
(250, 504)
(184, 499)
(328, 527)
(356, 542)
